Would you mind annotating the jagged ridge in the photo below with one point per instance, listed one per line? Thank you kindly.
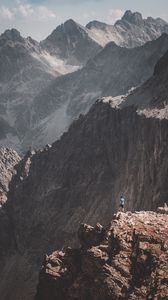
(129, 260)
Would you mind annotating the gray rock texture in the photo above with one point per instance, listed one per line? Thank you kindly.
(8, 161)
(131, 31)
(71, 42)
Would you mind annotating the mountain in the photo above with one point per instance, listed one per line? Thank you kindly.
(79, 179)
(24, 71)
(112, 72)
(124, 261)
(131, 31)
(8, 160)
(36, 108)
(72, 42)
(151, 97)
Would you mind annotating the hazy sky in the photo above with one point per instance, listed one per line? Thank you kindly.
(39, 17)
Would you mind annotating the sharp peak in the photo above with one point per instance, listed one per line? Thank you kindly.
(11, 31)
(129, 13)
(71, 22)
(12, 34)
(132, 17)
(67, 24)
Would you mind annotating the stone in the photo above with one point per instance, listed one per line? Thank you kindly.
(139, 271)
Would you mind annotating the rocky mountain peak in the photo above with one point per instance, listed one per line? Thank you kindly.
(71, 23)
(66, 28)
(71, 41)
(134, 18)
(12, 35)
(127, 260)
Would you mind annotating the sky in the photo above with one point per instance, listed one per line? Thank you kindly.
(38, 18)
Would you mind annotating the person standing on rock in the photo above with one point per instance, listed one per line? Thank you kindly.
(122, 203)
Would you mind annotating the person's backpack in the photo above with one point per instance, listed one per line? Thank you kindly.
(122, 200)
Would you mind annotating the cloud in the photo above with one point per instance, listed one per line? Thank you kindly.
(27, 11)
(6, 13)
(88, 15)
(114, 15)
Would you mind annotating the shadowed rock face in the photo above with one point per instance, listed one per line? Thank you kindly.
(22, 76)
(80, 179)
(153, 93)
(8, 161)
(129, 260)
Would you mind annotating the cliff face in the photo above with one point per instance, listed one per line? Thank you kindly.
(8, 160)
(129, 260)
(80, 179)
(153, 93)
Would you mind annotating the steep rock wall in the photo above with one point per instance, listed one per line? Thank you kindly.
(80, 178)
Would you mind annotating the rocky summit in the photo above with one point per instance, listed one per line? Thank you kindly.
(127, 260)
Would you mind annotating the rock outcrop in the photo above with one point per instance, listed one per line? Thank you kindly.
(128, 260)
(163, 210)
(8, 161)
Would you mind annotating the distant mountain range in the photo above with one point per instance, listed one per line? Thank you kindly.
(38, 100)
(113, 71)
(131, 31)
